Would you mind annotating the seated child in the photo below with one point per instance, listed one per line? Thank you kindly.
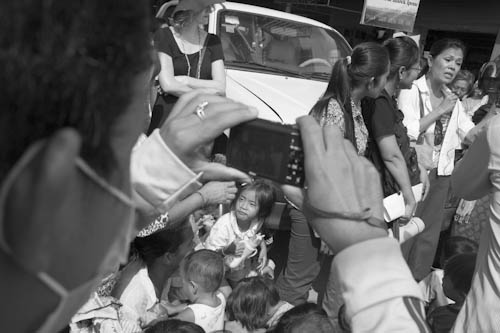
(202, 274)
(458, 273)
(237, 234)
(432, 284)
(277, 306)
(253, 303)
(307, 317)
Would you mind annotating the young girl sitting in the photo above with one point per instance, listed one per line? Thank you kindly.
(202, 274)
(237, 234)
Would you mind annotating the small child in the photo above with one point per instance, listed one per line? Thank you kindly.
(458, 273)
(277, 306)
(250, 305)
(237, 234)
(202, 274)
(432, 284)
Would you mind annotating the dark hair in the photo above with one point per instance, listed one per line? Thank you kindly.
(307, 317)
(161, 242)
(69, 64)
(174, 325)
(265, 194)
(368, 60)
(460, 270)
(206, 268)
(442, 45)
(403, 51)
(274, 296)
(457, 245)
(248, 303)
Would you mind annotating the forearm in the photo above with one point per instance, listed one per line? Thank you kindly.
(174, 87)
(218, 85)
(398, 169)
(430, 119)
(183, 208)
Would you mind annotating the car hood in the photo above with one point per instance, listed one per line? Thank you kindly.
(278, 98)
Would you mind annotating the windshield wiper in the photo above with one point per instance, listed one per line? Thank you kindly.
(266, 68)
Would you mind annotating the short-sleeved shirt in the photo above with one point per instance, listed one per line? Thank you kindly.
(383, 118)
(166, 43)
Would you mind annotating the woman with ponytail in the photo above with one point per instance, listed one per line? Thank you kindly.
(362, 74)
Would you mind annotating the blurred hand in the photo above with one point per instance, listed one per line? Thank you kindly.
(262, 258)
(185, 133)
(218, 192)
(410, 205)
(340, 181)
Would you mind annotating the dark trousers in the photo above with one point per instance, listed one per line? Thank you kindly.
(303, 264)
(419, 251)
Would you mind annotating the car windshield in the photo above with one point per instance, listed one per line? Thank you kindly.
(279, 46)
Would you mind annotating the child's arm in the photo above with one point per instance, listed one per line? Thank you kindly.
(262, 255)
(186, 315)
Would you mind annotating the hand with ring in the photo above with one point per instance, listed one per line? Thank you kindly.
(197, 119)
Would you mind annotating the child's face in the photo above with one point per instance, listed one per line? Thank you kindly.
(460, 88)
(247, 207)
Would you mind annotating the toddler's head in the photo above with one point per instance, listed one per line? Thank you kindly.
(249, 303)
(202, 272)
(456, 245)
(307, 317)
(463, 83)
(458, 273)
(254, 201)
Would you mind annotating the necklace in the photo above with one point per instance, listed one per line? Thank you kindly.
(187, 58)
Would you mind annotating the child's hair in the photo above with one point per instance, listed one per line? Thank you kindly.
(205, 268)
(307, 317)
(403, 51)
(460, 270)
(161, 242)
(265, 194)
(174, 325)
(457, 245)
(249, 303)
(368, 60)
(274, 296)
(466, 76)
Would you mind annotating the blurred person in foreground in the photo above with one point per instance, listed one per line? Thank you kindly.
(73, 177)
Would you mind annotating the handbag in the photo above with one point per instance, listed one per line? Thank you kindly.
(424, 145)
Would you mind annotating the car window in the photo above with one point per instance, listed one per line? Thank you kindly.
(278, 45)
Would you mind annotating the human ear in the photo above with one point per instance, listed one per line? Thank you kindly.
(430, 59)
(401, 70)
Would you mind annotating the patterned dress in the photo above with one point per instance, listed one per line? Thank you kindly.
(333, 115)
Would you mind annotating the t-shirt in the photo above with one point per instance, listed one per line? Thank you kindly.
(210, 318)
(383, 118)
(166, 43)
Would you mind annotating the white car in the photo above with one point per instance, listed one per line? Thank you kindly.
(276, 61)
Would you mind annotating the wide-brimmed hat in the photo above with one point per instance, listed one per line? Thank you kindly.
(194, 5)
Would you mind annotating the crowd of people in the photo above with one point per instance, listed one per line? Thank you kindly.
(115, 217)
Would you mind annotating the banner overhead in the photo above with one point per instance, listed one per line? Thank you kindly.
(390, 14)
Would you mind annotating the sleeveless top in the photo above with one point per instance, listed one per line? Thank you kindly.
(70, 300)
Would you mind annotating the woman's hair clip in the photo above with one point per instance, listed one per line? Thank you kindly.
(348, 60)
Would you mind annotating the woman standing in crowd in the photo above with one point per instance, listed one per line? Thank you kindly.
(362, 74)
(431, 110)
(190, 57)
(389, 146)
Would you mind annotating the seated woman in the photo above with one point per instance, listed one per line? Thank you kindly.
(142, 281)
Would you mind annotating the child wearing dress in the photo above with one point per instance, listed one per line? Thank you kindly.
(238, 234)
(202, 274)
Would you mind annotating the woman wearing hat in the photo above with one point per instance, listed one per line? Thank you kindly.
(190, 57)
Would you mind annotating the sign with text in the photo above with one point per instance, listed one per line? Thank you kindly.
(390, 14)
